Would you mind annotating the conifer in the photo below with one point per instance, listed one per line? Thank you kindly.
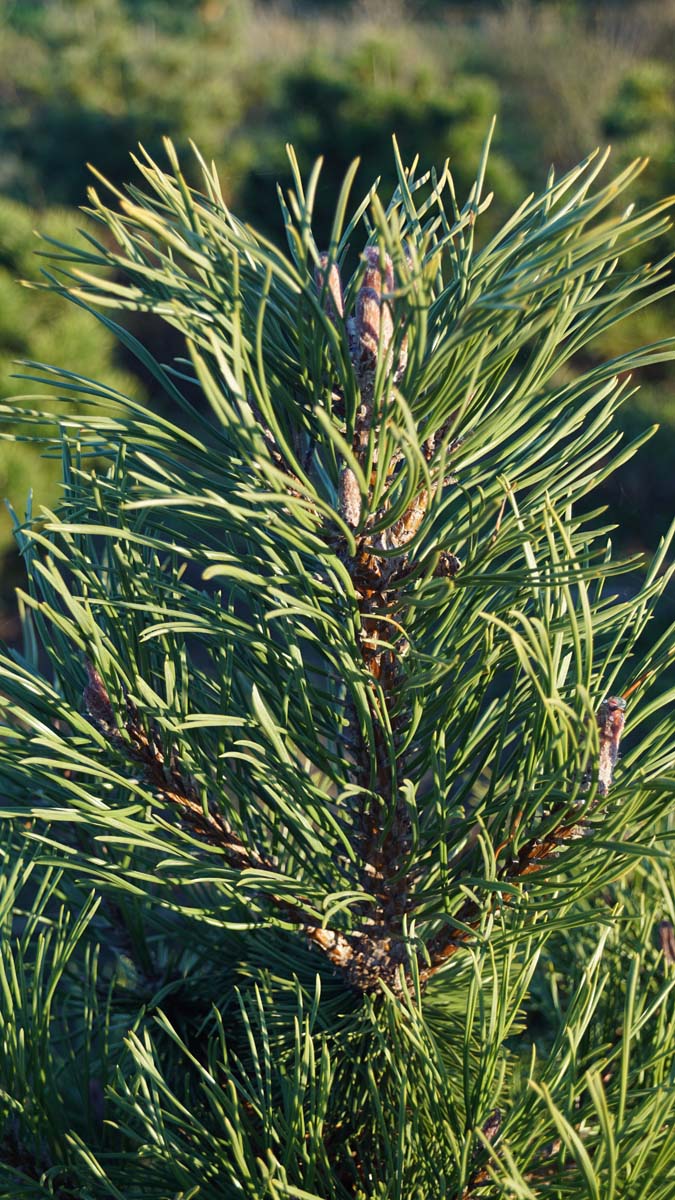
(337, 760)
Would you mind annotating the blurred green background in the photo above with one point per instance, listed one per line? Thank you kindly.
(85, 80)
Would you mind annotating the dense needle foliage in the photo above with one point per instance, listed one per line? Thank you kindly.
(323, 876)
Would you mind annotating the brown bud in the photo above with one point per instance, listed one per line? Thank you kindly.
(367, 325)
(372, 277)
(493, 1125)
(667, 940)
(448, 565)
(333, 301)
(374, 318)
(349, 498)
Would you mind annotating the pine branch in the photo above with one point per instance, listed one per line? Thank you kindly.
(166, 778)
(536, 851)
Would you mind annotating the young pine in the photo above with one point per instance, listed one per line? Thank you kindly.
(330, 869)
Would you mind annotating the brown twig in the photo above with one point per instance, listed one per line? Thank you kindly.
(353, 954)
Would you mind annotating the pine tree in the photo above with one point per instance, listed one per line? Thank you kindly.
(324, 876)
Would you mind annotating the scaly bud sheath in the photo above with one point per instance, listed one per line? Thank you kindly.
(611, 721)
(374, 319)
(349, 498)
